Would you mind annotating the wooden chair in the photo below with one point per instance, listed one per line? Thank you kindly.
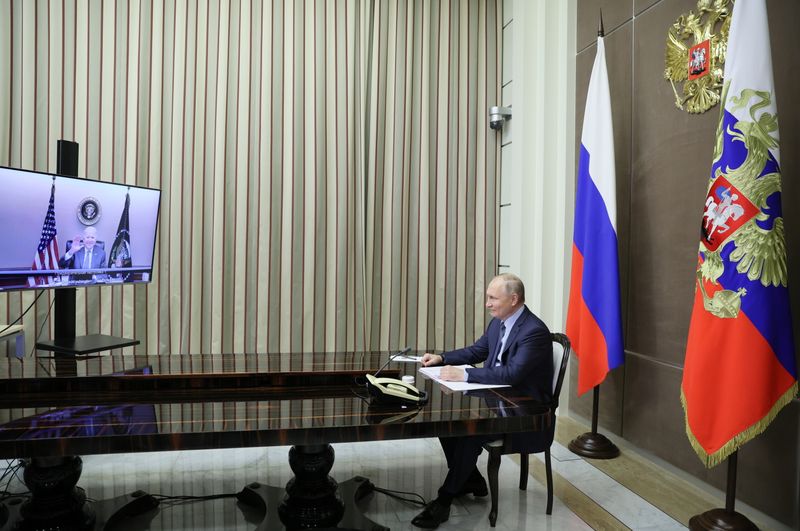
(497, 448)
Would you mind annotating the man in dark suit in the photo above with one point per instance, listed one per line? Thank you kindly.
(84, 254)
(517, 350)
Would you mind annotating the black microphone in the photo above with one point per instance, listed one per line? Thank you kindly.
(393, 356)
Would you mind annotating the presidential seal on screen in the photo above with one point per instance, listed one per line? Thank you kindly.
(89, 211)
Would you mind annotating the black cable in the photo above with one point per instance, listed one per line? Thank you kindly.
(5, 495)
(186, 497)
(45, 369)
(11, 472)
(8, 466)
(169, 501)
(395, 494)
(20, 466)
(363, 398)
(18, 319)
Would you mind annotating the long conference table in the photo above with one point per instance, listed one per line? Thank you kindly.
(55, 409)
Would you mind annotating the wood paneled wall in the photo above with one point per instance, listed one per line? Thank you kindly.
(663, 163)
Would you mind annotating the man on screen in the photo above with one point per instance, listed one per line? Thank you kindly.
(516, 350)
(84, 253)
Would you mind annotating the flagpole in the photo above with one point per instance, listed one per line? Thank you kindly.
(726, 519)
(592, 444)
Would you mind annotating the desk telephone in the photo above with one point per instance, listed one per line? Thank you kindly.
(393, 391)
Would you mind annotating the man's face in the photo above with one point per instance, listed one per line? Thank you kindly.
(499, 303)
(89, 238)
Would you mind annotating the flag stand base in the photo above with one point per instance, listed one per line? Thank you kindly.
(592, 444)
(726, 519)
(721, 520)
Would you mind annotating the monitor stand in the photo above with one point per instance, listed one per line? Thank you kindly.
(65, 341)
(85, 344)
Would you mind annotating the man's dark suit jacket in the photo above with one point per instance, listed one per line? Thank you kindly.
(76, 262)
(527, 364)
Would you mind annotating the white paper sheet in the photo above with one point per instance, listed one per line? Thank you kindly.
(433, 373)
(408, 359)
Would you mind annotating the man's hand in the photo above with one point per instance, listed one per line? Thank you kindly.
(77, 245)
(431, 359)
(453, 374)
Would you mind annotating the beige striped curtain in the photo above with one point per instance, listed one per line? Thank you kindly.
(328, 178)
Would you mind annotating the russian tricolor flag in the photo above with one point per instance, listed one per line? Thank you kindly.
(594, 323)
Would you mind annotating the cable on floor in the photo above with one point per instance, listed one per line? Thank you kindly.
(396, 494)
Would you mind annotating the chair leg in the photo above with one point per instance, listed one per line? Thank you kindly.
(523, 471)
(493, 471)
(549, 470)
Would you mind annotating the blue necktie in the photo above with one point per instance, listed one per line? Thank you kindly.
(498, 348)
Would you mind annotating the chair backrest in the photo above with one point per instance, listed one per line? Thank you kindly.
(561, 350)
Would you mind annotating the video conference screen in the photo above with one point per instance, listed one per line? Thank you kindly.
(62, 231)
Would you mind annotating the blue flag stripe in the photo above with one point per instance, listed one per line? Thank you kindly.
(595, 238)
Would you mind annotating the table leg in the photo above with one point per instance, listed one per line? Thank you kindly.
(56, 502)
(312, 499)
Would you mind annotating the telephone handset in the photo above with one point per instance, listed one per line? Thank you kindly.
(393, 391)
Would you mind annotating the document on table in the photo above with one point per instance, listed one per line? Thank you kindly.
(433, 372)
(408, 359)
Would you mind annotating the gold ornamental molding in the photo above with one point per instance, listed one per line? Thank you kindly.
(695, 55)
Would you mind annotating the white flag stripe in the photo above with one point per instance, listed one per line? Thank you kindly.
(598, 133)
(748, 64)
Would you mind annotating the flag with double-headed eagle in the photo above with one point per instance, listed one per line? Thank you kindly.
(740, 367)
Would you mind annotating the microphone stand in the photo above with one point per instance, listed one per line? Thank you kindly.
(391, 357)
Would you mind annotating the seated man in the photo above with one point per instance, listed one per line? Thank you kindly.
(517, 350)
(84, 254)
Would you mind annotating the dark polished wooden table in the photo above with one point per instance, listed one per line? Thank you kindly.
(53, 409)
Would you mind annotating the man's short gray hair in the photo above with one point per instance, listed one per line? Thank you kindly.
(512, 285)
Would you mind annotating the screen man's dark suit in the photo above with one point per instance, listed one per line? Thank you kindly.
(526, 364)
(76, 262)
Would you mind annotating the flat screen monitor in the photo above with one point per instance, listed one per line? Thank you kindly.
(60, 231)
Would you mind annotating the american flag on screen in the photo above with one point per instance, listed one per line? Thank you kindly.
(46, 256)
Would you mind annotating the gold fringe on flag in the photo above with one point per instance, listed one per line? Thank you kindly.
(751, 432)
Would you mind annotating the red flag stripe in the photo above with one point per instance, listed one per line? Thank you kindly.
(749, 377)
(584, 332)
